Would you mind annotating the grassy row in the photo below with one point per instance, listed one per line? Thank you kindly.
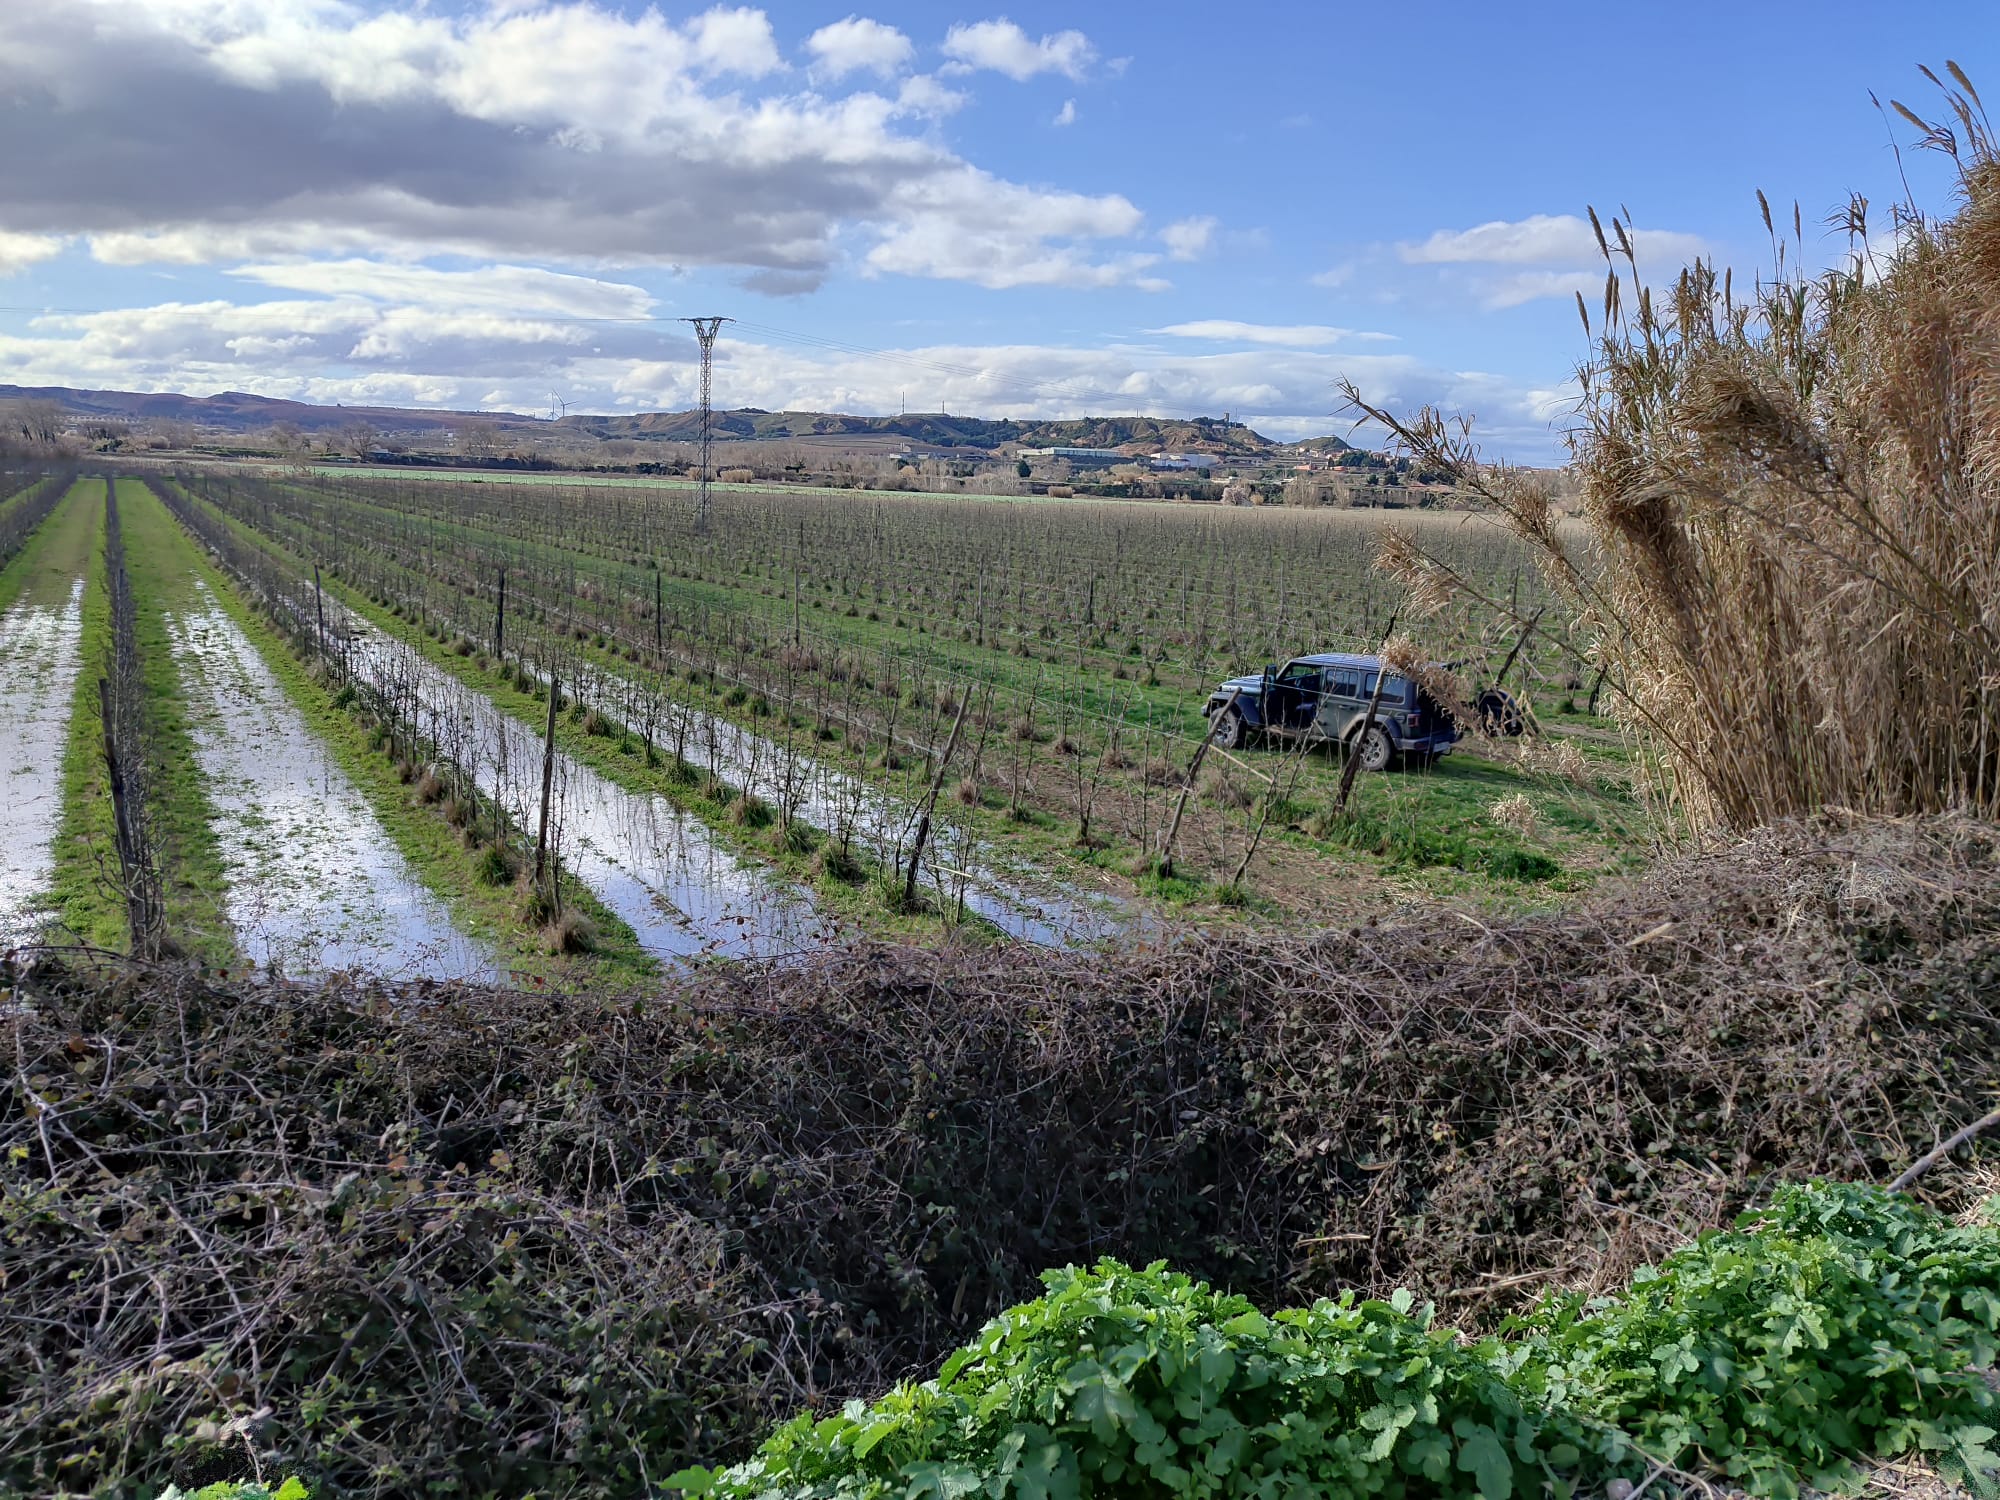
(194, 878)
(83, 895)
(438, 853)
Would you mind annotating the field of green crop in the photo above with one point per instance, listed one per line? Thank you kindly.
(845, 630)
(820, 715)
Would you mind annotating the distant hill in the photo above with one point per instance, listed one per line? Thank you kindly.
(938, 430)
(238, 411)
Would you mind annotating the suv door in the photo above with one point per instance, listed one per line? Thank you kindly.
(1293, 699)
(1340, 700)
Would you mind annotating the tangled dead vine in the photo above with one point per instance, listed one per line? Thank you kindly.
(566, 1244)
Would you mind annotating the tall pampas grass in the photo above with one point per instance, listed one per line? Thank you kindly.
(1792, 503)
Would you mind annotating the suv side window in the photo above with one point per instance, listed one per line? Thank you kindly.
(1300, 674)
(1343, 682)
(1395, 689)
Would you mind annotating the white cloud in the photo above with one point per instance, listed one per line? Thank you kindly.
(517, 289)
(1531, 286)
(974, 227)
(205, 131)
(19, 251)
(858, 44)
(1004, 47)
(1191, 239)
(1541, 239)
(1066, 115)
(924, 95)
(360, 349)
(1282, 335)
(1334, 276)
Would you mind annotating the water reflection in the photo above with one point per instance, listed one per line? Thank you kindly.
(964, 870)
(315, 884)
(40, 654)
(657, 867)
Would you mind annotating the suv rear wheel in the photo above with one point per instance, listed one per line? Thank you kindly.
(1375, 749)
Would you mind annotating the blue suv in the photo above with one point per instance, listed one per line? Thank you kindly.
(1326, 697)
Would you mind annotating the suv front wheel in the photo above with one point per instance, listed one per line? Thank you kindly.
(1229, 729)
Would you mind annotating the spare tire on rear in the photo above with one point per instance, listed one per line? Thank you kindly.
(1499, 714)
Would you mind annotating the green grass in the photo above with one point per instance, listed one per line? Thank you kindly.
(194, 878)
(434, 849)
(83, 894)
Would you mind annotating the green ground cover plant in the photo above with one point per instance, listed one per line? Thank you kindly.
(1840, 1322)
(194, 879)
(83, 897)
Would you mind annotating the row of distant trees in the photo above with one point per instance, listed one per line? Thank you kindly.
(34, 429)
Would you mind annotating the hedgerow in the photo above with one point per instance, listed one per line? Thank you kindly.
(1843, 1322)
(522, 1242)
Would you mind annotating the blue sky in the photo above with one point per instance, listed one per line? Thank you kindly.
(1042, 210)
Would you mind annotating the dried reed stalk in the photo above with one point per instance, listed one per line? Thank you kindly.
(1793, 511)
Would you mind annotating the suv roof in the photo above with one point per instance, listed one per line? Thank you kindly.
(1341, 659)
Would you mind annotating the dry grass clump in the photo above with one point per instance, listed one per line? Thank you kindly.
(1516, 813)
(1793, 504)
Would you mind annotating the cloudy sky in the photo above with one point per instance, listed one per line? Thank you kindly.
(1053, 209)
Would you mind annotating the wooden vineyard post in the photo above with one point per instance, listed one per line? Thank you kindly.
(659, 614)
(138, 913)
(1194, 770)
(930, 802)
(500, 622)
(548, 784)
(319, 609)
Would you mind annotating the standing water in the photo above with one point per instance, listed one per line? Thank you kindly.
(40, 653)
(958, 867)
(315, 884)
(656, 867)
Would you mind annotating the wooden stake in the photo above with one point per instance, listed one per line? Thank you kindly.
(548, 785)
(930, 802)
(319, 608)
(1194, 770)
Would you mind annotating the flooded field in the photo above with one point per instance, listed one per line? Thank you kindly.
(657, 868)
(39, 661)
(315, 883)
(964, 872)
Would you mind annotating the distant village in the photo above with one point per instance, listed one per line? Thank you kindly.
(1210, 461)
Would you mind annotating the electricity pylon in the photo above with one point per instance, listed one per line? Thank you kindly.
(705, 329)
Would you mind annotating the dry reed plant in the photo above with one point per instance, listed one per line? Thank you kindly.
(1792, 502)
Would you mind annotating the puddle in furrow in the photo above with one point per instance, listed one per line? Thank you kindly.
(658, 868)
(315, 884)
(40, 653)
(1038, 910)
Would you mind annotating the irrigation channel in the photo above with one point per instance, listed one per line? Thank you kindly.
(40, 655)
(315, 883)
